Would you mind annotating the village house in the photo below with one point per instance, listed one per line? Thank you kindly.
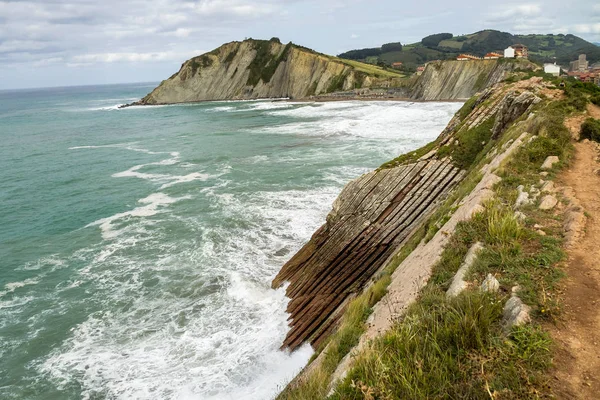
(516, 50)
(552, 69)
(420, 69)
(520, 50)
(492, 56)
(397, 65)
(579, 65)
(467, 57)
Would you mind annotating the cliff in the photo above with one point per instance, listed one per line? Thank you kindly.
(455, 80)
(377, 213)
(443, 259)
(255, 69)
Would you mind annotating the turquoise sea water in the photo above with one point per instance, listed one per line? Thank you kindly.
(137, 246)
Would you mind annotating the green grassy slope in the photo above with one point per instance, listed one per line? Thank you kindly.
(542, 47)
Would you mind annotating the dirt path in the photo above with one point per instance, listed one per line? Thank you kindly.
(577, 335)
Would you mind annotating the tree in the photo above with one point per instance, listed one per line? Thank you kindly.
(434, 40)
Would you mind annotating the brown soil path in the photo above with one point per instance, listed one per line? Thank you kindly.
(577, 335)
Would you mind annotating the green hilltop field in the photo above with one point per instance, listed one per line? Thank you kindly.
(542, 48)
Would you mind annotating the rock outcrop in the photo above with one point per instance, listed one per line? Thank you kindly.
(371, 218)
(255, 69)
(454, 80)
(260, 69)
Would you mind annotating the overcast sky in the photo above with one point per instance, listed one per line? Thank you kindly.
(78, 42)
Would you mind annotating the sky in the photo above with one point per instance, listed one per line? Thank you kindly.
(45, 43)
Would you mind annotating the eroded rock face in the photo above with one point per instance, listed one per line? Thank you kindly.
(513, 106)
(372, 216)
(255, 69)
(460, 79)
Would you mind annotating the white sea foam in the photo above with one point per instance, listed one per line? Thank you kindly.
(152, 205)
(219, 343)
(185, 305)
(12, 286)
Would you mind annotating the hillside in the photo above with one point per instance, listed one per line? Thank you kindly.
(438, 275)
(560, 48)
(264, 69)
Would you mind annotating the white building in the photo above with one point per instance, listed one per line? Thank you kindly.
(509, 52)
(552, 69)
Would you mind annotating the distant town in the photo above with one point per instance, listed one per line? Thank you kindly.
(579, 69)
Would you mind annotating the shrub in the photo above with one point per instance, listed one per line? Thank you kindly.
(590, 129)
(595, 99)
(470, 143)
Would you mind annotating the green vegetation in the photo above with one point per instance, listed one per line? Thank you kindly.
(434, 40)
(203, 61)
(264, 64)
(231, 55)
(590, 129)
(458, 348)
(337, 83)
(469, 144)
(312, 90)
(352, 326)
(450, 349)
(466, 109)
(442, 46)
(410, 157)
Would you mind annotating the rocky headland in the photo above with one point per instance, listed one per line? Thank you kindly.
(260, 69)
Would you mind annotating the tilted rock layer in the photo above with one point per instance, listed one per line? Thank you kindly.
(372, 216)
(255, 69)
(376, 213)
(260, 69)
(454, 80)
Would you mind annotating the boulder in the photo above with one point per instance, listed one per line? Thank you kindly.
(522, 198)
(490, 284)
(548, 202)
(515, 313)
(511, 108)
(458, 282)
(548, 187)
(549, 162)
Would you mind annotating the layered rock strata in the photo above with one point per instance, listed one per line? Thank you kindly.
(255, 69)
(376, 213)
(372, 216)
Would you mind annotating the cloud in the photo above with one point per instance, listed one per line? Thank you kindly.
(85, 32)
(354, 36)
(88, 59)
(587, 28)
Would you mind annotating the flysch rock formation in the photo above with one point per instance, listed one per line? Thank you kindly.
(371, 219)
(373, 215)
(255, 69)
(260, 69)
(452, 80)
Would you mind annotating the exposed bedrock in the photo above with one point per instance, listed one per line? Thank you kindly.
(377, 213)
(372, 216)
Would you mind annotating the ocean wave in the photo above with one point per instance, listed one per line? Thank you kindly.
(152, 205)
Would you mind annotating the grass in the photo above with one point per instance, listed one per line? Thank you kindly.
(450, 349)
(468, 144)
(369, 68)
(264, 64)
(412, 156)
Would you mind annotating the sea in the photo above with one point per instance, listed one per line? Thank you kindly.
(138, 245)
